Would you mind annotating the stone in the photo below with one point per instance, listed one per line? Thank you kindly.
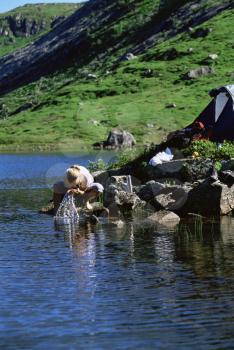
(200, 32)
(169, 54)
(171, 198)
(91, 76)
(182, 169)
(227, 177)
(122, 182)
(163, 217)
(210, 199)
(102, 176)
(213, 56)
(117, 197)
(119, 138)
(148, 73)
(171, 105)
(129, 56)
(199, 72)
(95, 122)
(149, 190)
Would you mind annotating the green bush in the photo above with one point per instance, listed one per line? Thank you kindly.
(97, 165)
(208, 149)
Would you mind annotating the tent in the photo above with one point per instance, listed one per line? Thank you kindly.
(218, 116)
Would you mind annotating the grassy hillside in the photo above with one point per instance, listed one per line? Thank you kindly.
(40, 13)
(72, 109)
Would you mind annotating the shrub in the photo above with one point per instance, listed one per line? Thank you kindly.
(211, 150)
(97, 165)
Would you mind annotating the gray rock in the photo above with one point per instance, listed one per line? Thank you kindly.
(103, 176)
(182, 169)
(171, 105)
(170, 54)
(119, 139)
(91, 76)
(163, 217)
(172, 198)
(210, 198)
(148, 191)
(213, 56)
(117, 198)
(129, 56)
(199, 72)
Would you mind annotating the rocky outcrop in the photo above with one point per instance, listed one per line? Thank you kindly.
(118, 198)
(210, 199)
(182, 169)
(21, 26)
(199, 72)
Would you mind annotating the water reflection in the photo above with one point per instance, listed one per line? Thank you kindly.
(110, 286)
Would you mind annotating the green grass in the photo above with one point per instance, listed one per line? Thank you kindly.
(65, 105)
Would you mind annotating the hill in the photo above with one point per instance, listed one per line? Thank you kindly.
(122, 64)
(24, 24)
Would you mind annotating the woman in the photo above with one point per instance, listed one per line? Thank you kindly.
(79, 182)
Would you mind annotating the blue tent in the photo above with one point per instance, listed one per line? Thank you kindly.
(218, 116)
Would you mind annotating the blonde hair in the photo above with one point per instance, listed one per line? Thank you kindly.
(74, 178)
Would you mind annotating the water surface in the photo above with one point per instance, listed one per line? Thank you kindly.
(106, 287)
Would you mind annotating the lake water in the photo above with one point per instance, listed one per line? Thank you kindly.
(106, 287)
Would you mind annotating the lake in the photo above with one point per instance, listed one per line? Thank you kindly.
(104, 286)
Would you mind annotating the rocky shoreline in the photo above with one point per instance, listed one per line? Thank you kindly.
(170, 190)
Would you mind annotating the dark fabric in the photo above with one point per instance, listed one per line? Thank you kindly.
(223, 129)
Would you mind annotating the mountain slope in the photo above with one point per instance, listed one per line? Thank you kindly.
(74, 107)
(95, 28)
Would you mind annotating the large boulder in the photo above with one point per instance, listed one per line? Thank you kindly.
(117, 197)
(148, 191)
(181, 169)
(210, 198)
(119, 139)
(199, 72)
(207, 197)
(163, 217)
(116, 139)
(171, 198)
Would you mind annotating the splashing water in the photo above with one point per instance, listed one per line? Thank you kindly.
(67, 212)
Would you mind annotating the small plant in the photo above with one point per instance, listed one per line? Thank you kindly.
(97, 165)
(123, 158)
(208, 149)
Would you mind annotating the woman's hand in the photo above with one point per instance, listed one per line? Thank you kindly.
(75, 191)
